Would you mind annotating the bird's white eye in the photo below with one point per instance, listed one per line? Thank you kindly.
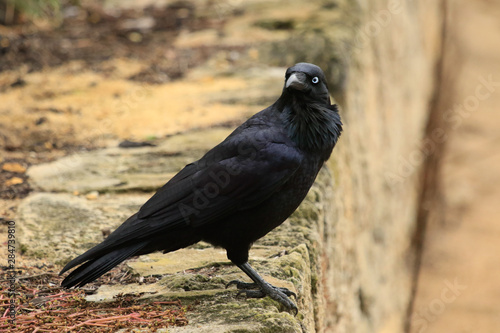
(315, 80)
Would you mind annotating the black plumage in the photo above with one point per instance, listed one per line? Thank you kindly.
(238, 191)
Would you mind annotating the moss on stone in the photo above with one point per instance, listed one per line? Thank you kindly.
(189, 297)
(278, 322)
(306, 215)
(275, 24)
(188, 282)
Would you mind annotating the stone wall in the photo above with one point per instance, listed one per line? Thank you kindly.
(380, 58)
(368, 254)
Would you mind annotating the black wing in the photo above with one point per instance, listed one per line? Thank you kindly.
(239, 173)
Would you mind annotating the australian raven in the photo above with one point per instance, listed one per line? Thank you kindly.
(238, 191)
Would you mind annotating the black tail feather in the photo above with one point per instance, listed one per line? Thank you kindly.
(107, 246)
(94, 268)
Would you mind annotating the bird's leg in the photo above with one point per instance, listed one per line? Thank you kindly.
(263, 288)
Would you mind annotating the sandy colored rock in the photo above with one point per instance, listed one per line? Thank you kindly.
(13, 167)
(458, 283)
(119, 169)
(58, 227)
(13, 181)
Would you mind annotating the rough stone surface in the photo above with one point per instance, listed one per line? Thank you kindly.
(58, 227)
(124, 169)
(372, 217)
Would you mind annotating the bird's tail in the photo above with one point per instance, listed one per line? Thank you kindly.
(94, 268)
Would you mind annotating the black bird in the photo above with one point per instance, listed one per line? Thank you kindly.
(237, 192)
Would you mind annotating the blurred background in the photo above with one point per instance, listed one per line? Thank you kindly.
(417, 170)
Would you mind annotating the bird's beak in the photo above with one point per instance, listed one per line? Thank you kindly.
(296, 81)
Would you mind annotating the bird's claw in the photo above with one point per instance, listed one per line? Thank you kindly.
(245, 286)
(253, 290)
(242, 285)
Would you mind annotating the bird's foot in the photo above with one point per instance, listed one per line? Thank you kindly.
(247, 287)
(254, 290)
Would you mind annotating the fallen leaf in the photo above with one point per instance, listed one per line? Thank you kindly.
(14, 167)
(13, 181)
(92, 195)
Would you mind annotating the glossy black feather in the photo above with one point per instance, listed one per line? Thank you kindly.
(239, 190)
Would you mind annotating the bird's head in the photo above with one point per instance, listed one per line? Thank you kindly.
(307, 81)
(312, 121)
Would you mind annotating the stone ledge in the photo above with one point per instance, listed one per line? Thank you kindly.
(59, 226)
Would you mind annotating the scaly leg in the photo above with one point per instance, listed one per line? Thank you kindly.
(263, 288)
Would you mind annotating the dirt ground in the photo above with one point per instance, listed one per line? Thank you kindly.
(78, 84)
(459, 288)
